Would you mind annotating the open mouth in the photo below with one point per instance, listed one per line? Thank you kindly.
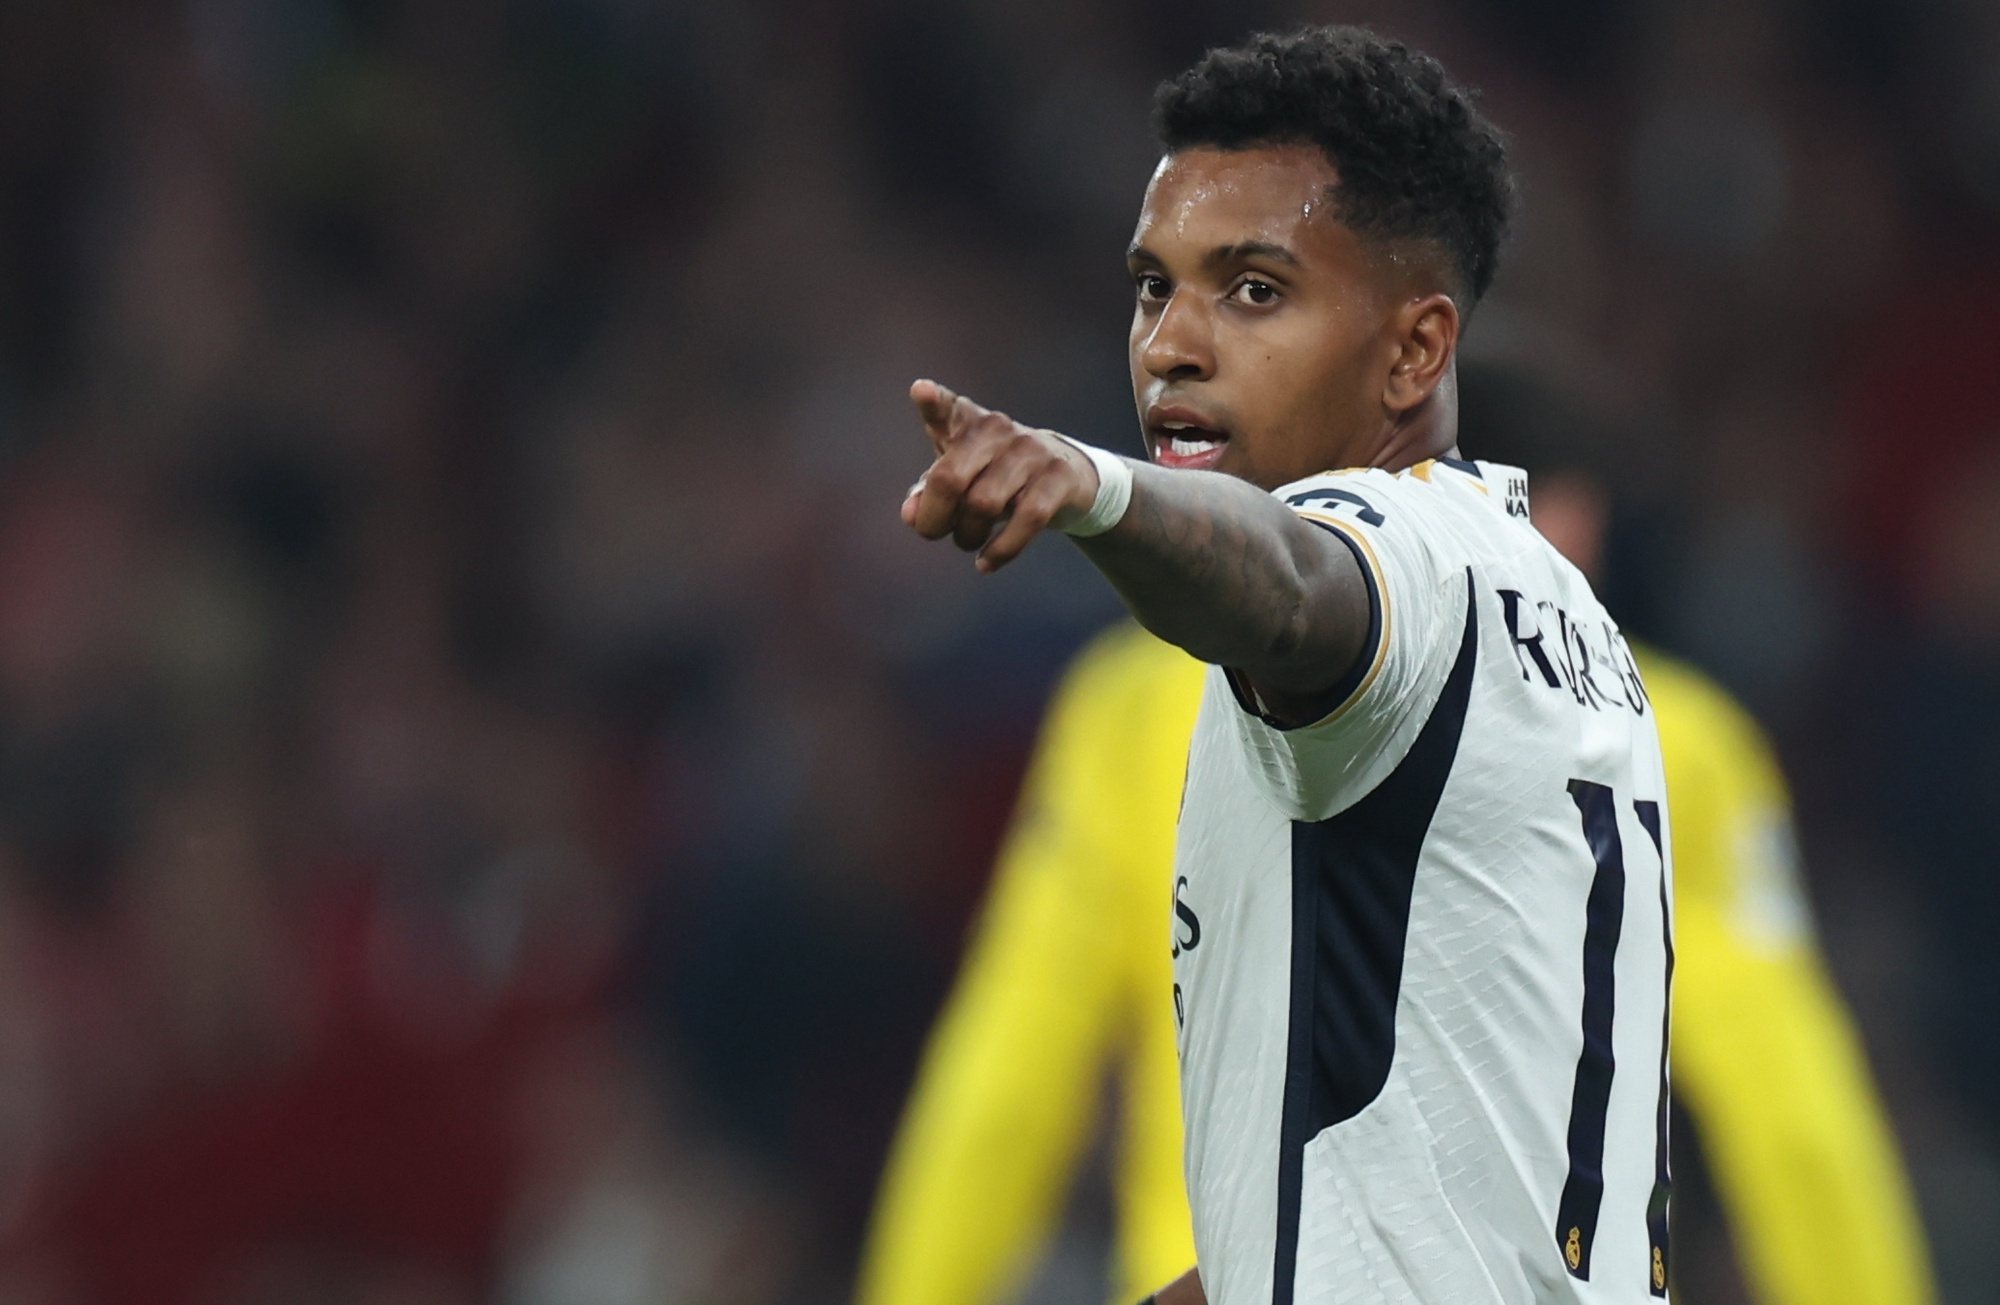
(1186, 444)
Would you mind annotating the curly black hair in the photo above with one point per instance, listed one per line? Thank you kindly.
(1415, 158)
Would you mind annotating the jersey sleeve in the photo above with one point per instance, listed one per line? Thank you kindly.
(1810, 1178)
(1008, 1087)
(1417, 619)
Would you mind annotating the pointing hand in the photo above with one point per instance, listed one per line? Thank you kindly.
(995, 484)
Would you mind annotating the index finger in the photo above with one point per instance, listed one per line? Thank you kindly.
(944, 412)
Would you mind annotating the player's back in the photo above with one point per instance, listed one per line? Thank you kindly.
(1423, 1000)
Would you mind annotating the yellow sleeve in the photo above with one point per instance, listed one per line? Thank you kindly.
(1009, 1085)
(1764, 1056)
(1155, 1233)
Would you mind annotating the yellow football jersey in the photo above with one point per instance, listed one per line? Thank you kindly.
(1765, 1059)
(1067, 979)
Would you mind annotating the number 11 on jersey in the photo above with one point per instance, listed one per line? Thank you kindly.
(1590, 1099)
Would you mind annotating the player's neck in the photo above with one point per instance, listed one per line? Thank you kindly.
(1408, 443)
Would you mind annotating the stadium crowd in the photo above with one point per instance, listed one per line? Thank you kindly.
(490, 796)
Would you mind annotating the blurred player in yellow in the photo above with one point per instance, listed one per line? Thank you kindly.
(1067, 981)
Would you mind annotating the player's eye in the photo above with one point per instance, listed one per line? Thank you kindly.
(1152, 287)
(1255, 292)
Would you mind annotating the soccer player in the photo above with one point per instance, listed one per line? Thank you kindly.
(1066, 977)
(1422, 885)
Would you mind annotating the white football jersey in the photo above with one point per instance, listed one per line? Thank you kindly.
(1422, 947)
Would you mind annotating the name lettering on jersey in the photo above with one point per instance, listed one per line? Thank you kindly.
(1590, 661)
(1517, 497)
(1189, 921)
(1187, 937)
(1338, 501)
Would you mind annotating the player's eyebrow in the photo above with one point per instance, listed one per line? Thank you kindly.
(1223, 254)
(1248, 249)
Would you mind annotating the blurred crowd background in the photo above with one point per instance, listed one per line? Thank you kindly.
(490, 796)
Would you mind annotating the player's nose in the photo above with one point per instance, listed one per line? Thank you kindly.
(1181, 344)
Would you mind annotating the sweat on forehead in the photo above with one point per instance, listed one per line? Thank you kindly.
(1279, 201)
(1274, 185)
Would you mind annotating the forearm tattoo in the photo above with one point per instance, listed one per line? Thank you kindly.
(1223, 570)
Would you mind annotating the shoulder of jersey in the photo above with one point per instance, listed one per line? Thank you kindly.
(1488, 480)
(1431, 471)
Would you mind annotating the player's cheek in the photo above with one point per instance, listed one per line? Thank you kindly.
(1322, 407)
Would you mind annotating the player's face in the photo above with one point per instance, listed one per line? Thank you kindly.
(1263, 329)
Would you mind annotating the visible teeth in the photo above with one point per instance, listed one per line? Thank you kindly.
(1187, 448)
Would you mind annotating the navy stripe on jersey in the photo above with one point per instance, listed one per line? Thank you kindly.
(1353, 877)
(1590, 1099)
(1658, 1271)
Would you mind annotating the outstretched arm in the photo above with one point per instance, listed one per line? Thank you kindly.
(1205, 561)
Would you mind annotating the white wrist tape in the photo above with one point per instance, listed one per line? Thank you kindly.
(1114, 491)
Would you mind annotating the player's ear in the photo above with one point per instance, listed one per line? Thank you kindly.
(1427, 335)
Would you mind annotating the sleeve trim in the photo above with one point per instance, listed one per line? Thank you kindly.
(1356, 683)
